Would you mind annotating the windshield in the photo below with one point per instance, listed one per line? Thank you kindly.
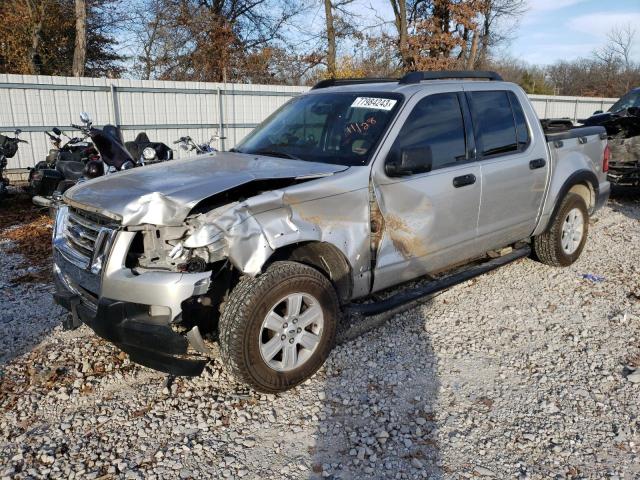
(631, 99)
(340, 128)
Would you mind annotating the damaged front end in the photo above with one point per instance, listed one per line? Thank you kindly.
(150, 275)
(140, 311)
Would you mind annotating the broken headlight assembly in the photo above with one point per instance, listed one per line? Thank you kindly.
(178, 249)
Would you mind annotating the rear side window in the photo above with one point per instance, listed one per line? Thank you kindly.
(522, 130)
(436, 123)
(494, 122)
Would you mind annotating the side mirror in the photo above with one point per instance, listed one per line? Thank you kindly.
(18, 131)
(409, 161)
(634, 111)
(57, 131)
(598, 112)
(85, 117)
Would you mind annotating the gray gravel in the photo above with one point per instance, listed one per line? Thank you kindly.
(527, 372)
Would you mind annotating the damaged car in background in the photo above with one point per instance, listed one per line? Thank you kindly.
(622, 122)
(346, 191)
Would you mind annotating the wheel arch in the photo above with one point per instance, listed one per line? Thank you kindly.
(323, 256)
(583, 183)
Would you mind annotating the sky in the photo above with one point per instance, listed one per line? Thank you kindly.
(553, 30)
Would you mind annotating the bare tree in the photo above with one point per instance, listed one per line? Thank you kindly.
(338, 25)
(621, 41)
(331, 39)
(36, 11)
(80, 47)
(499, 22)
(156, 37)
(401, 23)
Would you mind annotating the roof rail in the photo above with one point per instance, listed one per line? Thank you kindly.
(334, 82)
(417, 77)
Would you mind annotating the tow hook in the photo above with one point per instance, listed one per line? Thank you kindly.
(71, 302)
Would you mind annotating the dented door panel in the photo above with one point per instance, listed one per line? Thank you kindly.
(428, 224)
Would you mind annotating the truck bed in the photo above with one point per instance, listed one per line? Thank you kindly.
(563, 129)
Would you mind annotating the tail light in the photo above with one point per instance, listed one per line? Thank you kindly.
(605, 158)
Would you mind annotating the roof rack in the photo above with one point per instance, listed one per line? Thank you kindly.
(417, 77)
(335, 82)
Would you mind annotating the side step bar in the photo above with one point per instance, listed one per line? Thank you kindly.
(436, 286)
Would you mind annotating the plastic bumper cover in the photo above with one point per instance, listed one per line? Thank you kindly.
(148, 339)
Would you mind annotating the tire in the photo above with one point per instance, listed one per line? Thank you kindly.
(245, 340)
(548, 246)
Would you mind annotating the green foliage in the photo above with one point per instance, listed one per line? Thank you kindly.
(535, 83)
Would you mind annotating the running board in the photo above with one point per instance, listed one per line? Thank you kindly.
(436, 286)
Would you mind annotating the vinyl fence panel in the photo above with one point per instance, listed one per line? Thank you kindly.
(167, 110)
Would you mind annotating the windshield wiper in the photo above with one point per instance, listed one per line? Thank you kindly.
(274, 153)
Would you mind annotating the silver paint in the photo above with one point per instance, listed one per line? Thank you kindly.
(165, 193)
(425, 224)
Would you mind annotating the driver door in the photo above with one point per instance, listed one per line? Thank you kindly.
(429, 219)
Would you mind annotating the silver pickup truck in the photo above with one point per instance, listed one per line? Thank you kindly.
(346, 191)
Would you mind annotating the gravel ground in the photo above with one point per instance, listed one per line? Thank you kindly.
(526, 372)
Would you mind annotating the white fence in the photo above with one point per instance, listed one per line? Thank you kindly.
(168, 110)
(551, 106)
(165, 110)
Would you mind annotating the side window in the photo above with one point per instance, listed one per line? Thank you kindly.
(522, 130)
(494, 122)
(435, 123)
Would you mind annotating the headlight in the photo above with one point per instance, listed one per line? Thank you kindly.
(94, 169)
(149, 153)
(61, 222)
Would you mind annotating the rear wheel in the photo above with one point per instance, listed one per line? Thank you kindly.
(562, 243)
(277, 329)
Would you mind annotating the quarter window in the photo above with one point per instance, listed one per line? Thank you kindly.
(436, 125)
(522, 130)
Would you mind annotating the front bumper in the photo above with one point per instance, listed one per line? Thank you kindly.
(139, 319)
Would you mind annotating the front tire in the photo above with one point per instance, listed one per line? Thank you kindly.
(562, 243)
(277, 329)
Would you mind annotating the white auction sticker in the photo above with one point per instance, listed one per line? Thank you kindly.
(374, 103)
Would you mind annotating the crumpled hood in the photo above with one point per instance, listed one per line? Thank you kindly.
(165, 193)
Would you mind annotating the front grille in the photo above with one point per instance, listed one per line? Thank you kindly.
(87, 236)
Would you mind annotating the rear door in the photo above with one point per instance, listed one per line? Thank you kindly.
(429, 219)
(513, 163)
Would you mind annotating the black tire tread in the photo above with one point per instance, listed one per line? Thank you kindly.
(546, 245)
(235, 319)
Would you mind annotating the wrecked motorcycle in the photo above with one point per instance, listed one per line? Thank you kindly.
(622, 122)
(147, 152)
(187, 143)
(8, 149)
(63, 167)
(112, 155)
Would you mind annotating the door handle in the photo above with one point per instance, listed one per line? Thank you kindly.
(537, 163)
(464, 180)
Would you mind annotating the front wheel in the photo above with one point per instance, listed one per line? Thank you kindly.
(562, 243)
(277, 329)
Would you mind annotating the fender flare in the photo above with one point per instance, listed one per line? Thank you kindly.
(581, 176)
